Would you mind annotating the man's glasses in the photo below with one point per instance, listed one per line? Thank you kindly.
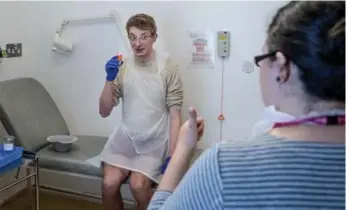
(142, 38)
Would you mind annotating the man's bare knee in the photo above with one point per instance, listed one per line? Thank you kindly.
(139, 183)
(113, 179)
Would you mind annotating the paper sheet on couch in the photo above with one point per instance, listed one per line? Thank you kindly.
(95, 161)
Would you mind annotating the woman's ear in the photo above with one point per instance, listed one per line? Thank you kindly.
(281, 63)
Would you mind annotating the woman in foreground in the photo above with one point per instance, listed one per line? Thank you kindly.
(299, 162)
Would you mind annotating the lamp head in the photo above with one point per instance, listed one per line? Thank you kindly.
(61, 45)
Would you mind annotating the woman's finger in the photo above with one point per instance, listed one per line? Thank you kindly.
(192, 117)
(200, 126)
(200, 122)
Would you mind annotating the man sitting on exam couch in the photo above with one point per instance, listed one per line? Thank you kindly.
(152, 95)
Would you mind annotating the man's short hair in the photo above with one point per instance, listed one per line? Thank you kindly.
(143, 22)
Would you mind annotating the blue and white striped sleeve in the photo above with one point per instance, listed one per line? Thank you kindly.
(201, 187)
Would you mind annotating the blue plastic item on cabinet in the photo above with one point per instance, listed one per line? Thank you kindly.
(10, 157)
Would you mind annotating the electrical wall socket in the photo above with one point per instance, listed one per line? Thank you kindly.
(223, 43)
(14, 50)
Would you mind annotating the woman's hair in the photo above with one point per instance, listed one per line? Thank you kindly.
(143, 22)
(311, 34)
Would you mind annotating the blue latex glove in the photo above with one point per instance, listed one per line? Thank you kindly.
(165, 164)
(112, 68)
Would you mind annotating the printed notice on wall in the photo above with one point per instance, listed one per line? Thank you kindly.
(202, 49)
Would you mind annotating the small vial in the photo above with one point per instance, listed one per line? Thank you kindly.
(120, 56)
(9, 143)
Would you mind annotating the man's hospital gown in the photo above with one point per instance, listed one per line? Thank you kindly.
(141, 142)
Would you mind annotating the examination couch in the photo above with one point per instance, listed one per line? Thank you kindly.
(29, 113)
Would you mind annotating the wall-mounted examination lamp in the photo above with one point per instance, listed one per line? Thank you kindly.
(63, 46)
(59, 44)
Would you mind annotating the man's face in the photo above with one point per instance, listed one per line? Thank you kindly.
(141, 41)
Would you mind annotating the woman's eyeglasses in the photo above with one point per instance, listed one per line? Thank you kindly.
(259, 58)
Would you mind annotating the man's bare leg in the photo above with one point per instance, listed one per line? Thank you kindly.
(141, 189)
(112, 180)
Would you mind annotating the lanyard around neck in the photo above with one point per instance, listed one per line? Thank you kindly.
(320, 120)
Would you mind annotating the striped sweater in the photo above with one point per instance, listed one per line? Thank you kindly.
(267, 173)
